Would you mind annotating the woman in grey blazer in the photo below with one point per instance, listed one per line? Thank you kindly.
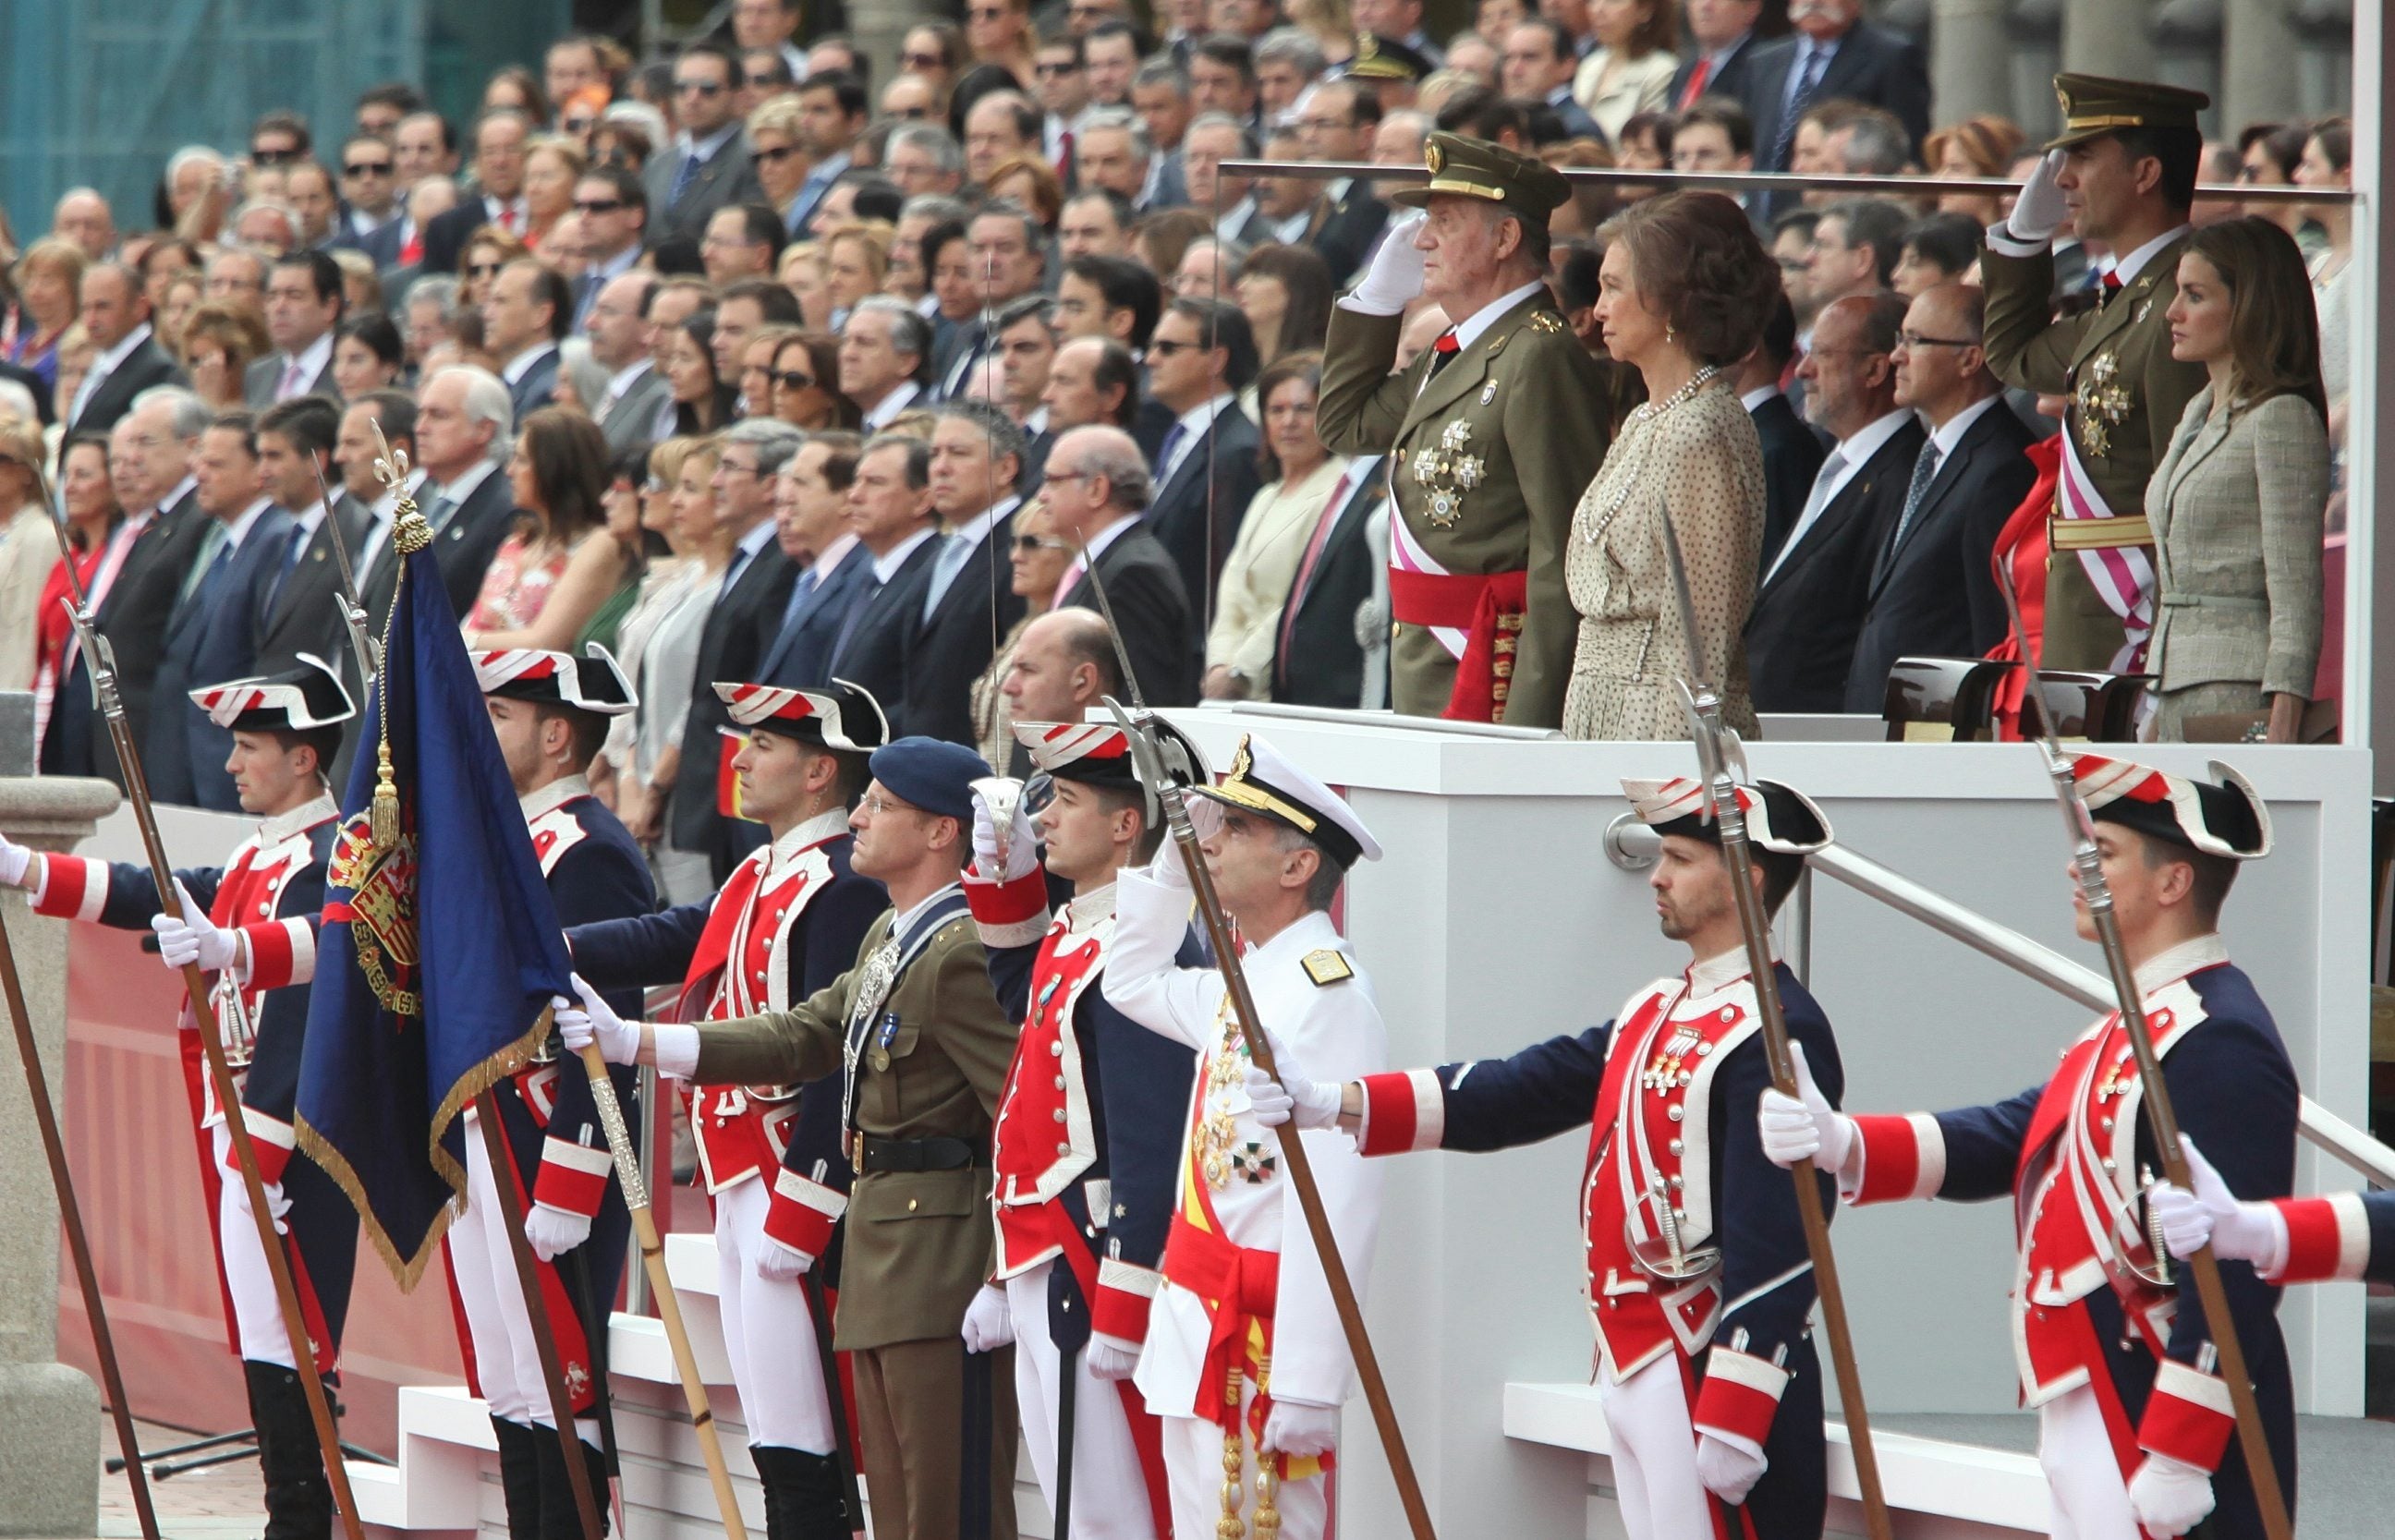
(2237, 502)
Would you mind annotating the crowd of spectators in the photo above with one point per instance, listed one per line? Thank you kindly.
(751, 361)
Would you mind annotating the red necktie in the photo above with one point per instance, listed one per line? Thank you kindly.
(1444, 350)
(1696, 86)
(2112, 282)
(410, 251)
(1322, 527)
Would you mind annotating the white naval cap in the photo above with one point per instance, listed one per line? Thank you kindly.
(1262, 780)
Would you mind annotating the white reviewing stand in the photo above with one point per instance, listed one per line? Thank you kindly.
(1497, 919)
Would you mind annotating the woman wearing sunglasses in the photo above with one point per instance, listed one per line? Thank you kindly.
(806, 384)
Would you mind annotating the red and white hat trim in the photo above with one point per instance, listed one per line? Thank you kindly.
(750, 703)
(1053, 745)
(2103, 782)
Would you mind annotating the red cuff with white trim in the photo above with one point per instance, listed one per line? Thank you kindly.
(1009, 913)
(1125, 1293)
(272, 1137)
(803, 1213)
(572, 1176)
(2188, 1417)
(1904, 1157)
(1739, 1395)
(2327, 1238)
(72, 888)
(1404, 1110)
(281, 951)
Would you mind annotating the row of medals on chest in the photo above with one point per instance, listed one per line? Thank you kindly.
(1216, 1147)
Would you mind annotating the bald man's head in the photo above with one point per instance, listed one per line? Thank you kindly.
(1062, 666)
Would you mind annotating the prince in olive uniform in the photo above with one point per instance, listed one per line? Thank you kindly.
(919, 1046)
(2126, 169)
(1492, 434)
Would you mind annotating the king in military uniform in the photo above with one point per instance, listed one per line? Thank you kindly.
(1699, 1285)
(251, 926)
(2125, 168)
(1493, 433)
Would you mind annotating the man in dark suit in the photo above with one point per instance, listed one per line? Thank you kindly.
(301, 608)
(756, 587)
(811, 515)
(1317, 657)
(1724, 34)
(1009, 260)
(967, 605)
(116, 317)
(1336, 120)
(1097, 485)
(889, 509)
(1206, 472)
(1539, 64)
(149, 463)
(372, 218)
(374, 559)
(499, 137)
(1933, 587)
(1791, 452)
(1832, 55)
(304, 301)
(212, 632)
(525, 317)
(1800, 635)
(462, 423)
(708, 165)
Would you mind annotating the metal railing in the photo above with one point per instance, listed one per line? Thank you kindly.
(1727, 181)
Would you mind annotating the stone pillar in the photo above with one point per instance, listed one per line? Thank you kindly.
(2108, 37)
(1970, 59)
(49, 1414)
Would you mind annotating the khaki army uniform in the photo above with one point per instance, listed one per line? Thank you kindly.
(923, 1068)
(1487, 458)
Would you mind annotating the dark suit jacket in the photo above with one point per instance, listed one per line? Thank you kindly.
(873, 653)
(1870, 66)
(211, 638)
(34, 387)
(1935, 595)
(304, 614)
(1149, 424)
(1347, 233)
(799, 655)
(1324, 664)
(1792, 456)
(534, 390)
(1143, 585)
(471, 536)
(737, 629)
(145, 366)
(1800, 637)
(444, 238)
(632, 419)
(381, 244)
(949, 357)
(133, 618)
(726, 178)
(947, 652)
(257, 385)
(1179, 516)
(1728, 81)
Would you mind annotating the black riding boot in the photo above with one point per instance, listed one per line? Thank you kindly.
(560, 1518)
(298, 1498)
(520, 1475)
(803, 1494)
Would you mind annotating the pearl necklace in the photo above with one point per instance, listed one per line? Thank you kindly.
(1645, 412)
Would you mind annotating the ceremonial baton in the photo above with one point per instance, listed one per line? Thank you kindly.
(1721, 756)
(2087, 866)
(353, 612)
(110, 703)
(1243, 1003)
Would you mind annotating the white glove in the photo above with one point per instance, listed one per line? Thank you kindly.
(2170, 1496)
(14, 862)
(554, 1231)
(1395, 279)
(1804, 1127)
(1022, 842)
(1729, 1471)
(988, 1327)
(1110, 1356)
(595, 1021)
(276, 1203)
(192, 937)
(780, 1262)
(1308, 1103)
(2039, 211)
(2239, 1232)
(1206, 819)
(1299, 1429)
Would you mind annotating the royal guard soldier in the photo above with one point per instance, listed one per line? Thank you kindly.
(2125, 169)
(1699, 1285)
(913, 1037)
(550, 713)
(1245, 1360)
(1493, 434)
(786, 924)
(2134, 1424)
(251, 926)
(1087, 1142)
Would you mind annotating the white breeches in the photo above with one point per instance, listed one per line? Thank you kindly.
(1655, 1453)
(2091, 1501)
(767, 1332)
(257, 1314)
(507, 1355)
(1110, 1499)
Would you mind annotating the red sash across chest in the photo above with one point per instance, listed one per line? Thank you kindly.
(1045, 1135)
(742, 1131)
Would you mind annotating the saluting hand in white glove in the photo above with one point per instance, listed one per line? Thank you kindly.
(2039, 210)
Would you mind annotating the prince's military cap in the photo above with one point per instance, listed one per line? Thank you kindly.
(296, 699)
(2223, 817)
(1379, 59)
(1522, 185)
(2094, 106)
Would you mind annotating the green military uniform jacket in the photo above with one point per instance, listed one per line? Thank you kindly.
(1488, 462)
(918, 1241)
(2127, 395)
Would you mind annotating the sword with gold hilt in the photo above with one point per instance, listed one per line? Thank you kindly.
(2162, 1119)
(1167, 788)
(1722, 761)
(107, 696)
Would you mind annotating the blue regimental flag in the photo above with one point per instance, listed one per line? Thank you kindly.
(440, 948)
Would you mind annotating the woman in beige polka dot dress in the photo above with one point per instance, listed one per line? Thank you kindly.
(1683, 296)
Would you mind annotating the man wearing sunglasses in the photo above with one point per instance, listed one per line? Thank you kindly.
(369, 220)
(708, 165)
(615, 211)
